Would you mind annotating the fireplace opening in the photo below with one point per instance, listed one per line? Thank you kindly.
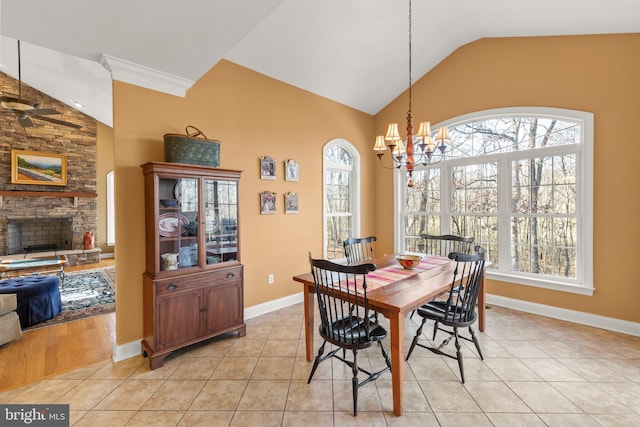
(41, 248)
(29, 235)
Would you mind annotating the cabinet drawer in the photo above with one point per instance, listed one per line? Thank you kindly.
(225, 274)
(177, 284)
(164, 287)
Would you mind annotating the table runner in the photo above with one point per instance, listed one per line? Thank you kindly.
(429, 266)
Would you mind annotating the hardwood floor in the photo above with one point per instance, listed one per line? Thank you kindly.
(52, 350)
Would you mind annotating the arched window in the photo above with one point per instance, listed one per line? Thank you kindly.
(520, 180)
(341, 195)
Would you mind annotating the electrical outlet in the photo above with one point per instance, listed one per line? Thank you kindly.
(271, 279)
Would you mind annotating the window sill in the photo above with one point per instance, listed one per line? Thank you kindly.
(540, 283)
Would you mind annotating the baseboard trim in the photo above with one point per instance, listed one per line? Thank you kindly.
(133, 348)
(269, 306)
(608, 323)
(126, 351)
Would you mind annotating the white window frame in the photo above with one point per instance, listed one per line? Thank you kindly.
(111, 209)
(354, 200)
(583, 284)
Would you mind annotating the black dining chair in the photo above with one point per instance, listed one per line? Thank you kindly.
(443, 245)
(459, 310)
(341, 293)
(358, 249)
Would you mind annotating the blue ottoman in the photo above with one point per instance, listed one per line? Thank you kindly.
(38, 297)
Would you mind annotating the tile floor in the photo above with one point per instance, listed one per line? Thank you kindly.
(537, 371)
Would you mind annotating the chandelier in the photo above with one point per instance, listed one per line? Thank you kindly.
(425, 151)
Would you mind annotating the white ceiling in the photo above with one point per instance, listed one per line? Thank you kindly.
(351, 51)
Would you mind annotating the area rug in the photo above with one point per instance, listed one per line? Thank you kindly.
(85, 293)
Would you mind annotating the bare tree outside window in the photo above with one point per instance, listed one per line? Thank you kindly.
(339, 198)
(512, 183)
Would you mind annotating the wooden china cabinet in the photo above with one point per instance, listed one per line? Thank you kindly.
(193, 284)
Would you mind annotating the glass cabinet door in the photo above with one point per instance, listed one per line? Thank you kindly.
(178, 223)
(221, 220)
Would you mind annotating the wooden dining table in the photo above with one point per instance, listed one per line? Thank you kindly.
(394, 301)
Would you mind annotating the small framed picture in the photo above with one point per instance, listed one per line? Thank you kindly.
(290, 203)
(267, 203)
(290, 170)
(267, 167)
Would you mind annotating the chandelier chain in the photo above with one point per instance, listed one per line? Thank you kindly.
(419, 148)
(410, 80)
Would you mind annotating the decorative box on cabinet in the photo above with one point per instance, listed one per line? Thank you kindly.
(193, 283)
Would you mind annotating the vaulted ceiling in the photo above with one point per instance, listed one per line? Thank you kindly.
(351, 51)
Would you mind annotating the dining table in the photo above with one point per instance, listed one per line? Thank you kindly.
(394, 292)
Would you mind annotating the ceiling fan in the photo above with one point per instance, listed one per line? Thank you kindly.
(25, 110)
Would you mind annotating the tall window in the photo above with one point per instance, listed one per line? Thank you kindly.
(520, 181)
(111, 211)
(341, 190)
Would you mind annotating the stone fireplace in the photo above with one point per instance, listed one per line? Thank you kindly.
(51, 224)
(44, 220)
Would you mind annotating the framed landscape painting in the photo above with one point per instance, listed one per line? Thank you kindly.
(30, 167)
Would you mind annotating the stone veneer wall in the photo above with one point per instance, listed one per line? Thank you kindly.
(78, 145)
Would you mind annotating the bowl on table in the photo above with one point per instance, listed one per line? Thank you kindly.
(408, 261)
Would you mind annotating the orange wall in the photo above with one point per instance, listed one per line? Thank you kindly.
(600, 74)
(253, 116)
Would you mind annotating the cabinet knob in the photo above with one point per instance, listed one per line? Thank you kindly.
(230, 275)
(172, 287)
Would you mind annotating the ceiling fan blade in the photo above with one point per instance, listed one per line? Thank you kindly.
(42, 112)
(25, 121)
(5, 98)
(28, 110)
(59, 122)
(16, 104)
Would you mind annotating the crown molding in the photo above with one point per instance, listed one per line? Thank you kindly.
(146, 77)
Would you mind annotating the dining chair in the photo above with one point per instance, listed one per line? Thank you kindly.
(443, 245)
(358, 249)
(341, 293)
(458, 311)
